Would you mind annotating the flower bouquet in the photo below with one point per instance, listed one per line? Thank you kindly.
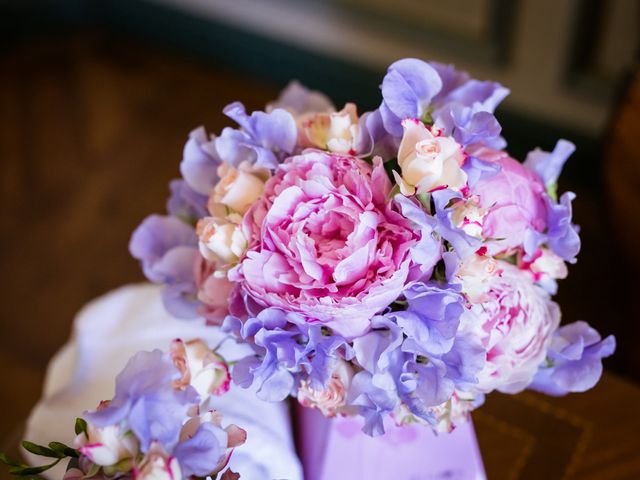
(160, 425)
(389, 268)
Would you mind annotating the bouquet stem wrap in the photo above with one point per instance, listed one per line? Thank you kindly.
(336, 448)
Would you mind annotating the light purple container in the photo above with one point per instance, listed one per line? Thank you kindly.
(335, 449)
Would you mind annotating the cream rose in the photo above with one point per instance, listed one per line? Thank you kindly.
(221, 240)
(428, 161)
(335, 131)
(240, 187)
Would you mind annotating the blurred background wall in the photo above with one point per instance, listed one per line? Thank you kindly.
(97, 98)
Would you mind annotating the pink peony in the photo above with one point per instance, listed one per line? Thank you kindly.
(513, 198)
(515, 325)
(325, 242)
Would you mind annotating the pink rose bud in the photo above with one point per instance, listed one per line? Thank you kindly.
(428, 161)
(240, 187)
(200, 367)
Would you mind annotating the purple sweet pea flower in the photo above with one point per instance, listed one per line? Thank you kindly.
(185, 203)
(168, 249)
(408, 89)
(458, 105)
(146, 399)
(275, 339)
(574, 360)
(200, 162)
(458, 87)
(431, 319)
(428, 250)
(463, 244)
(548, 165)
(200, 454)
(562, 235)
(265, 139)
(298, 99)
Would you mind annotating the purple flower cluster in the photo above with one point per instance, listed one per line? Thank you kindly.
(395, 263)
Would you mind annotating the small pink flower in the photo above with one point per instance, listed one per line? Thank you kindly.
(515, 324)
(428, 161)
(157, 465)
(332, 399)
(200, 367)
(545, 265)
(214, 290)
(469, 216)
(108, 445)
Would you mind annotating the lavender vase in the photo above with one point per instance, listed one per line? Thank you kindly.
(336, 448)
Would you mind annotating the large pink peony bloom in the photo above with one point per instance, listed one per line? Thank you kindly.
(513, 199)
(515, 324)
(325, 242)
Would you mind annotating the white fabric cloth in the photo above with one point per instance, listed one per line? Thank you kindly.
(106, 333)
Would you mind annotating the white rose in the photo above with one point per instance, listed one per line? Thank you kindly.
(428, 161)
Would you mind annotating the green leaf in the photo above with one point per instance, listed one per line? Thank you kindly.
(81, 426)
(63, 449)
(552, 191)
(26, 471)
(40, 450)
(4, 458)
